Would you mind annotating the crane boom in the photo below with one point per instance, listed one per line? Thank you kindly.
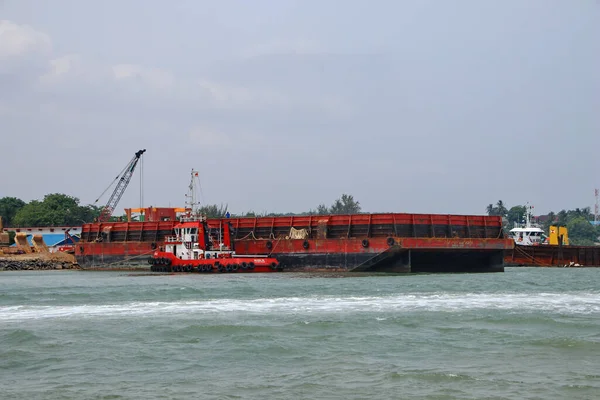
(108, 209)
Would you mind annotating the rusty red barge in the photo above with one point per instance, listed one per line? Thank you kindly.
(391, 242)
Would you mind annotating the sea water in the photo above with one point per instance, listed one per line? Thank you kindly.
(527, 333)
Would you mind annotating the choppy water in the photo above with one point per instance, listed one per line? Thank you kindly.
(524, 334)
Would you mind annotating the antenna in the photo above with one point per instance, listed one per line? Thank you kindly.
(597, 206)
(191, 201)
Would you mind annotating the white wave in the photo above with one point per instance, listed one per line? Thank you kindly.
(569, 303)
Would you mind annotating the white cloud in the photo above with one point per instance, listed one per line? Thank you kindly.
(62, 67)
(20, 40)
(154, 77)
(75, 90)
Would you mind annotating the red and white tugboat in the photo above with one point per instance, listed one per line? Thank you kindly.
(193, 249)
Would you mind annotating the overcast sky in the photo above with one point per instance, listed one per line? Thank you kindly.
(410, 106)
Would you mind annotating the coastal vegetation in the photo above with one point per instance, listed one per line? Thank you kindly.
(55, 209)
(343, 205)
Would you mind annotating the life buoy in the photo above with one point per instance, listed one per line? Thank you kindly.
(234, 267)
(305, 244)
(390, 241)
(365, 243)
(250, 265)
(228, 268)
(269, 244)
(273, 266)
(244, 265)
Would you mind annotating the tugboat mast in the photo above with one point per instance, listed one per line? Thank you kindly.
(191, 196)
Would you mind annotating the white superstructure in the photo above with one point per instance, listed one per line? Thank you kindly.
(528, 233)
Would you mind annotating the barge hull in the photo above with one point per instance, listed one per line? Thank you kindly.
(385, 254)
(361, 242)
(553, 256)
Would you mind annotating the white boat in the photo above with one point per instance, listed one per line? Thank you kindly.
(528, 233)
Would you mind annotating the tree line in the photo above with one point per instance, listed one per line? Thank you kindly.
(578, 221)
(55, 209)
(58, 209)
(343, 205)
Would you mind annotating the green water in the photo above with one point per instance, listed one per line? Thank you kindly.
(523, 334)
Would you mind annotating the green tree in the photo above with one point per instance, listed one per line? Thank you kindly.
(213, 210)
(56, 209)
(582, 232)
(516, 214)
(498, 210)
(32, 214)
(550, 220)
(345, 205)
(9, 206)
(322, 210)
(562, 218)
(501, 209)
(89, 213)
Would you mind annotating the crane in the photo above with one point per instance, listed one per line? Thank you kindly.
(124, 177)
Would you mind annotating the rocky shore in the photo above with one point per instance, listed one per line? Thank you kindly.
(17, 265)
(37, 262)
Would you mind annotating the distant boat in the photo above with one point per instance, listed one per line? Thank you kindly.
(528, 233)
